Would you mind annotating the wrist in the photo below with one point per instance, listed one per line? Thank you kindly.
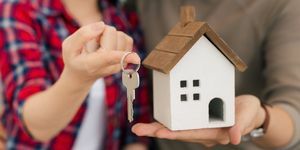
(73, 81)
(261, 124)
(262, 114)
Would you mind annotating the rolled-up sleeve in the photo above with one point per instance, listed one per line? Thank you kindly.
(21, 65)
(282, 55)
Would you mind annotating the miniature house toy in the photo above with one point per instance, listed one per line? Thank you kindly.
(193, 76)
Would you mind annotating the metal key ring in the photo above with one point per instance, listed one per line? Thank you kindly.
(122, 62)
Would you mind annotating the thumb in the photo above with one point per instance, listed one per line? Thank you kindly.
(86, 33)
(240, 128)
(235, 134)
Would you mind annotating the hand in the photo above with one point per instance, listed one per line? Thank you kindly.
(89, 65)
(249, 115)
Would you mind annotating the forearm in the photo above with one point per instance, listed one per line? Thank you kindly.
(280, 130)
(47, 113)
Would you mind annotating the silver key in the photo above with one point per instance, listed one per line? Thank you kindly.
(131, 81)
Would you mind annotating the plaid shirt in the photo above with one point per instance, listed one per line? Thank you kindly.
(31, 34)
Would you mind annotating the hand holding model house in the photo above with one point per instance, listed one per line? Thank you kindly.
(193, 85)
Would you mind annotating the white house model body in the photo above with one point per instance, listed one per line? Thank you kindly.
(195, 94)
(193, 78)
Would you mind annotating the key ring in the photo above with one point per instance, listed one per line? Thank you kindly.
(122, 62)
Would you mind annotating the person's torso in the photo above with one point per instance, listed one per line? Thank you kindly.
(243, 24)
(52, 24)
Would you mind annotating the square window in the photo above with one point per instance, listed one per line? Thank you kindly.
(183, 97)
(196, 96)
(196, 83)
(183, 83)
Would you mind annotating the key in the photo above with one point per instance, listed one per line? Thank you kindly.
(131, 80)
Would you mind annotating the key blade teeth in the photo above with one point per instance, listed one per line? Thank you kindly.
(133, 95)
(128, 110)
(130, 119)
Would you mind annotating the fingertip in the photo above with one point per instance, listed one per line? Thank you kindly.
(235, 135)
(146, 129)
(141, 129)
(110, 29)
(135, 129)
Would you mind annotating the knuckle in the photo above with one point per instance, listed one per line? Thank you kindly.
(111, 29)
(121, 38)
(129, 40)
(121, 34)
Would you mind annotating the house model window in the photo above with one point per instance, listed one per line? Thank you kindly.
(196, 96)
(188, 96)
(183, 84)
(196, 83)
(183, 97)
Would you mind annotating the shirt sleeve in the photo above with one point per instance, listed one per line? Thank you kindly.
(21, 65)
(282, 56)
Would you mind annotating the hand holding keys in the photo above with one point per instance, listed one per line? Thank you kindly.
(131, 80)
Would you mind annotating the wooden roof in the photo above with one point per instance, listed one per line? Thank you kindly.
(180, 40)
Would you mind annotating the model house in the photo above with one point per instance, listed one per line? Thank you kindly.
(193, 76)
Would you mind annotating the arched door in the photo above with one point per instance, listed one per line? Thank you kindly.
(216, 110)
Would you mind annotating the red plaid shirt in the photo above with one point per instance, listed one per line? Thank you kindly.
(31, 34)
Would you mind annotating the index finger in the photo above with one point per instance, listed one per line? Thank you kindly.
(86, 33)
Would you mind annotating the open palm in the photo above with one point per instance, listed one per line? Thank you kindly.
(249, 115)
